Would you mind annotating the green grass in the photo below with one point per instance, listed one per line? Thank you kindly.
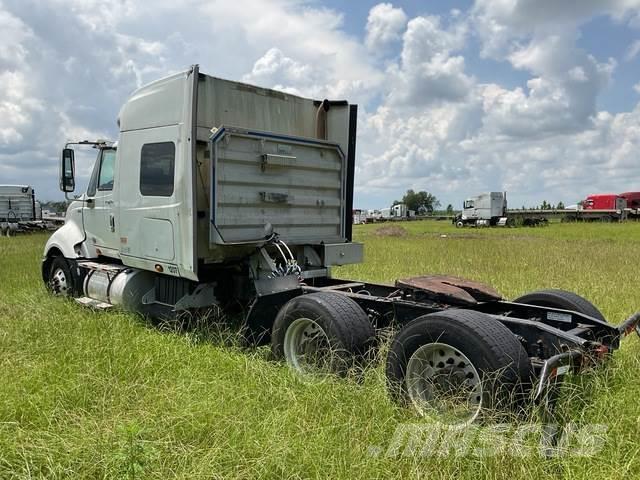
(88, 394)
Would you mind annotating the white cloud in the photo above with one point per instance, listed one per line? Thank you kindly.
(73, 80)
(276, 70)
(562, 94)
(279, 71)
(426, 122)
(13, 33)
(500, 24)
(385, 25)
(425, 37)
(426, 71)
(544, 139)
(632, 51)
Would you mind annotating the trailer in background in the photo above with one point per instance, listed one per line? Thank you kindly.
(359, 216)
(17, 202)
(633, 203)
(20, 212)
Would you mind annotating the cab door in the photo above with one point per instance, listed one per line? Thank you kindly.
(99, 211)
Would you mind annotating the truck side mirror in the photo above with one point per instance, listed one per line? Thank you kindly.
(67, 171)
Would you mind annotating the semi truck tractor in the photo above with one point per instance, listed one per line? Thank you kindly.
(633, 203)
(632, 199)
(483, 210)
(227, 195)
(604, 201)
(605, 207)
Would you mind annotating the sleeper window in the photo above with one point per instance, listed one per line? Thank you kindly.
(157, 164)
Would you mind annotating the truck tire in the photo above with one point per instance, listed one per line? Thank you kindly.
(323, 332)
(62, 279)
(555, 298)
(458, 364)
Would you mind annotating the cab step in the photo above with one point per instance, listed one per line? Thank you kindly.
(101, 267)
(92, 303)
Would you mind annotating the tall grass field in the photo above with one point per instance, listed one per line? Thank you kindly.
(87, 394)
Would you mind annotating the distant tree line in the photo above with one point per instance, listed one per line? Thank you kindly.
(546, 206)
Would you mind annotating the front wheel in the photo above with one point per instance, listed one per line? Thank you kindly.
(61, 279)
(455, 365)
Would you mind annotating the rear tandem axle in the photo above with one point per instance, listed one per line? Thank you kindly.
(542, 335)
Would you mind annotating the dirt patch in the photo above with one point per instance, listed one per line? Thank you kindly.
(390, 231)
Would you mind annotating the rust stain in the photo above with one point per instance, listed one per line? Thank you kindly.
(449, 287)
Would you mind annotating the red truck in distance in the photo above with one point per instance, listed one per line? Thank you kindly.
(633, 200)
(605, 201)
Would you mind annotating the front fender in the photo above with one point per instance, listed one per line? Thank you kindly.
(68, 239)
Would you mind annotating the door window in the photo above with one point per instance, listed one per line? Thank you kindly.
(105, 180)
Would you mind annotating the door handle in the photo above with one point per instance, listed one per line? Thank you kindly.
(112, 222)
(108, 202)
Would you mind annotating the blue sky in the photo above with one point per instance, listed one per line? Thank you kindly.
(535, 97)
(601, 36)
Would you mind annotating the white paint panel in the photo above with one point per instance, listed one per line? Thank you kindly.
(157, 238)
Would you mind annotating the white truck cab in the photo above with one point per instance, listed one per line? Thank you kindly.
(484, 209)
(210, 182)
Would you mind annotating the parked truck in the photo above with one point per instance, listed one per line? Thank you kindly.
(604, 201)
(359, 216)
(222, 194)
(19, 210)
(399, 211)
(604, 207)
(633, 203)
(483, 210)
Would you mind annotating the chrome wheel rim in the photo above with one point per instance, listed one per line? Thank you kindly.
(441, 381)
(306, 347)
(58, 282)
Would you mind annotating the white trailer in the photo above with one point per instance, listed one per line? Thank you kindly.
(17, 203)
(359, 216)
(19, 210)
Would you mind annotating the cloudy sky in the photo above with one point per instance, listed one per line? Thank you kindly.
(540, 98)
